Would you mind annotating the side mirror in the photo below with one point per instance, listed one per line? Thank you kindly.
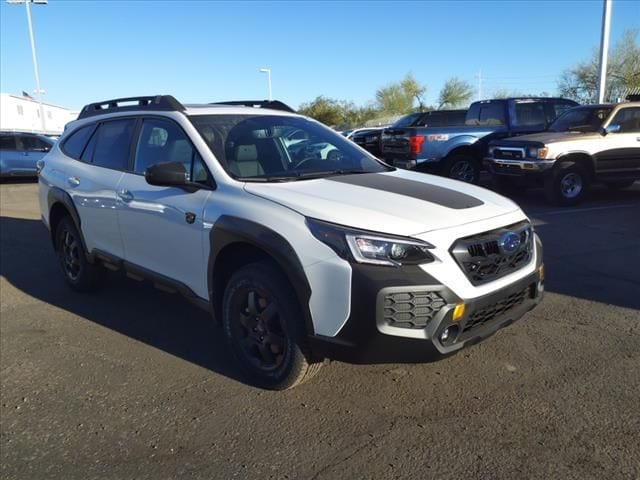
(613, 128)
(169, 174)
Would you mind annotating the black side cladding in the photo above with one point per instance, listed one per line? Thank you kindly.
(229, 230)
(422, 191)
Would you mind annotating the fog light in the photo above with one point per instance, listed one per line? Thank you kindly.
(448, 335)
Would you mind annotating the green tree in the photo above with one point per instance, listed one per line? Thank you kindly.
(580, 82)
(326, 110)
(455, 93)
(399, 97)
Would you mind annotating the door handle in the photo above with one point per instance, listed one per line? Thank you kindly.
(125, 195)
(73, 181)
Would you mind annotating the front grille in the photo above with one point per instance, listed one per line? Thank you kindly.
(508, 154)
(411, 309)
(483, 259)
(486, 314)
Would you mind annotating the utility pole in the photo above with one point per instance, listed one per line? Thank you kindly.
(38, 90)
(479, 77)
(604, 49)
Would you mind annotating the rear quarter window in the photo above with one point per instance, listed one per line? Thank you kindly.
(75, 143)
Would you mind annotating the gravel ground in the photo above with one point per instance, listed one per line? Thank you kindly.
(135, 383)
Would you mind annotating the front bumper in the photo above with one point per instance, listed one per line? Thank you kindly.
(517, 167)
(371, 335)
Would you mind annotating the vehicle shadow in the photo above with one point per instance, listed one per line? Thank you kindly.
(591, 250)
(135, 309)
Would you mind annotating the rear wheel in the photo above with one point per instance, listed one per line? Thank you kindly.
(463, 167)
(78, 272)
(264, 326)
(568, 184)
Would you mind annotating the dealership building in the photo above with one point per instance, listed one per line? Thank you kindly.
(23, 114)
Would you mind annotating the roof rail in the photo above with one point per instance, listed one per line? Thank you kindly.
(272, 104)
(157, 102)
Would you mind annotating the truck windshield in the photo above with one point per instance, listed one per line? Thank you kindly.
(581, 119)
(277, 148)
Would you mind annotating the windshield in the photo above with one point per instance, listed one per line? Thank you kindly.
(272, 148)
(581, 119)
(407, 120)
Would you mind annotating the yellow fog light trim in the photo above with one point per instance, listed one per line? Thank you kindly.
(541, 272)
(458, 312)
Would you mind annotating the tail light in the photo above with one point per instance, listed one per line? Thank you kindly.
(415, 143)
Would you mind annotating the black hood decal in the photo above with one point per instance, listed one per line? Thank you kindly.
(422, 191)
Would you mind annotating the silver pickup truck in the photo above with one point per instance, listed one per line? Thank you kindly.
(586, 145)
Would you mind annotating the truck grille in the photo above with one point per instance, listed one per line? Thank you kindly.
(488, 313)
(483, 259)
(508, 153)
(411, 309)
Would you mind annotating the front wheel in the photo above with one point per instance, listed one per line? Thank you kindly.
(462, 167)
(264, 327)
(568, 184)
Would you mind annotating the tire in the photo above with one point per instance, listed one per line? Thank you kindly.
(568, 184)
(619, 185)
(78, 272)
(463, 167)
(264, 326)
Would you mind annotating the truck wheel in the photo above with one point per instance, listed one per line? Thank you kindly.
(264, 327)
(462, 167)
(78, 272)
(568, 184)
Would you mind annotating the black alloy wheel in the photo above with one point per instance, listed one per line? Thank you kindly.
(263, 342)
(264, 326)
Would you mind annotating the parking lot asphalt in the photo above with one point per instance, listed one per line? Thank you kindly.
(132, 382)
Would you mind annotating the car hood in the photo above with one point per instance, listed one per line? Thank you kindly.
(399, 202)
(545, 137)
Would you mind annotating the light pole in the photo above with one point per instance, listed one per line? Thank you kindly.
(38, 90)
(604, 49)
(268, 72)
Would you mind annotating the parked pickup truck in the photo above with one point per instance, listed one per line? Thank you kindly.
(585, 145)
(457, 152)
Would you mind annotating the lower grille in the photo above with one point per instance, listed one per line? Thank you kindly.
(486, 314)
(411, 309)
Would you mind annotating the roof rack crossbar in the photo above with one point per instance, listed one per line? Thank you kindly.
(157, 102)
(272, 104)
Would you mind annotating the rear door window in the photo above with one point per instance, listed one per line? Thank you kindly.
(486, 114)
(112, 144)
(529, 114)
(35, 144)
(7, 142)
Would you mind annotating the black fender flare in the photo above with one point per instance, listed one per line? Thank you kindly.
(57, 195)
(228, 230)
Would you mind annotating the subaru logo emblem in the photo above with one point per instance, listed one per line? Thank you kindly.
(509, 242)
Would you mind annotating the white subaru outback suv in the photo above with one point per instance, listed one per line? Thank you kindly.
(301, 257)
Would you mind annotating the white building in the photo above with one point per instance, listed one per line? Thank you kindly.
(22, 114)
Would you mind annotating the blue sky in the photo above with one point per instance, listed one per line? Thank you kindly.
(204, 51)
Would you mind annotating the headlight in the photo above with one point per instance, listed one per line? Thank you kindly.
(371, 248)
(535, 152)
